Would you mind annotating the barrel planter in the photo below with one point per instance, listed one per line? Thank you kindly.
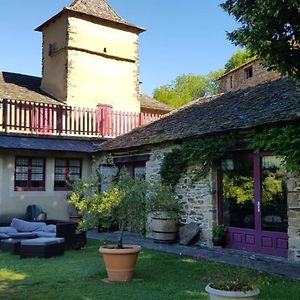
(164, 228)
(120, 263)
(215, 294)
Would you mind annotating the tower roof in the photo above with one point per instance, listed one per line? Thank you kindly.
(96, 8)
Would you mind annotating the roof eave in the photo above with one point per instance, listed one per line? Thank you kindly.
(67, 10)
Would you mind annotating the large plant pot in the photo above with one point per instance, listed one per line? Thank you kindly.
(215, 294)
(120, 263)
(164, 228)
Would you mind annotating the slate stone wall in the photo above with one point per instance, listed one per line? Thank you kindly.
(293, 186)
(198, 198)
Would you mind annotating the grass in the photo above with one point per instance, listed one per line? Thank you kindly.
(78, 274)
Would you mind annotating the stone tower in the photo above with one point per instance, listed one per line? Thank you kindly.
(91, 56)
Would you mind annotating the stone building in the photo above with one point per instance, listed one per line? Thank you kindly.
(253, 225)
(248, 74)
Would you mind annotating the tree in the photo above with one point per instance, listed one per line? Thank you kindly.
(270, 29)
(238, 59)
(188, 87)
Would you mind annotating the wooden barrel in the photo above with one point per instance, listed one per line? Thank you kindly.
(164, 228)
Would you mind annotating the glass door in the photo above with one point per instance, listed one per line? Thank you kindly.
(253, 203)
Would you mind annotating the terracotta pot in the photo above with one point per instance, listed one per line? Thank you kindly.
(120, 263)
(215, 294)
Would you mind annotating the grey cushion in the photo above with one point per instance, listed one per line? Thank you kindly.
(22, 235)
(45, 234)
(42, 241)
(50, 228)
(24, 226)
(3, 236)
(8, 230)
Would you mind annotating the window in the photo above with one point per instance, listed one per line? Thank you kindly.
(66, 172)
(29, 174)
(231, 82)
(248, 73)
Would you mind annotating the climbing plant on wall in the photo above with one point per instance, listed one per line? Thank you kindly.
(202, 151)
(281, 141)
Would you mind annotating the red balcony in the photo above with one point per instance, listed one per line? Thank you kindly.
(62, 120)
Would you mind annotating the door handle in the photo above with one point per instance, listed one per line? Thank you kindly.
(258, 206)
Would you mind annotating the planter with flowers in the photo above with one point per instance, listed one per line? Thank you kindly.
(230, 285)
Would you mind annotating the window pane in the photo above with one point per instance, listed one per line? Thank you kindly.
(74, 170)
(74, 163)
(37, 162)
(37, 177)
(22, 177)
(238, 193)
(139, 172)
(274, 194)
(22, 161)
(60, 162)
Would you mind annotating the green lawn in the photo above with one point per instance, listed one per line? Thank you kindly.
(78, 274)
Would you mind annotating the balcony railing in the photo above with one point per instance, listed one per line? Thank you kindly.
(62, 120)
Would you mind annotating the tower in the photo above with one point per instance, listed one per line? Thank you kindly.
(91, 56)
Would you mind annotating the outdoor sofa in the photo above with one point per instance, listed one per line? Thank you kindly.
(20, 229)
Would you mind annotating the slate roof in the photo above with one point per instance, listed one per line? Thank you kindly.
(151, 103)
(268, 103)
(23, 87)
(96, 8)
(47, 144)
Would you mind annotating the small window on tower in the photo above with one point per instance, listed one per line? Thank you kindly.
(231, 82)
(52, 49)
(248, 73)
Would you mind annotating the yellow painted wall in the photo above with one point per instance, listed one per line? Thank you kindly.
(54, 67)
(13, 204)
(93, 77)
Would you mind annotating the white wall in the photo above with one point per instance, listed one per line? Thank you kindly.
(13, 203)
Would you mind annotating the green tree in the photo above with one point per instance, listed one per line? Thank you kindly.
(188, 87)
(238, 59)
(270, 29)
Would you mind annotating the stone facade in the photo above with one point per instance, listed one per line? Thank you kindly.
(198, 199)
(247, 75)
(293, 186)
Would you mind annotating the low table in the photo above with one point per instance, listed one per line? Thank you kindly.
(42, 247)
(11, 245)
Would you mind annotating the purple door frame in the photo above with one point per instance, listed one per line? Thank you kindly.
(254, 240)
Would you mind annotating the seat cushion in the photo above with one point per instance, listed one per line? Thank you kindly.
(8, 230)
(42, 241)
(3, 236)
(50, 228)
(23, 235)
(24, 226)
(45, 234)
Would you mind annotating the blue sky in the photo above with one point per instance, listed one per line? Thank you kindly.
(182, 36)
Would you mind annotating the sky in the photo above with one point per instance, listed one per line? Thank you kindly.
(182, 37)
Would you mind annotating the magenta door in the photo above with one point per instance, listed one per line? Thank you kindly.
(253, 203)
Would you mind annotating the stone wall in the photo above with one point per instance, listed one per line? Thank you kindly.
(196, 197)
(235, 79)
(293, 186)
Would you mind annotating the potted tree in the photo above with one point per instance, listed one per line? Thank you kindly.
(164, 211)
(219, 235)
(125, 204)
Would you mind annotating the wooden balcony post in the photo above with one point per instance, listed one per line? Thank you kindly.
(59, 118)
(103, 117)
(4, 115)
